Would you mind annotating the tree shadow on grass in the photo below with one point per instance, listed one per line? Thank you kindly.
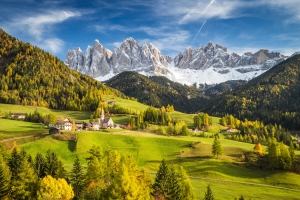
(72, 145)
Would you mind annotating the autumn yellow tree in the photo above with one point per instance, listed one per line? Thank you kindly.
(51, 188)
(258, 148)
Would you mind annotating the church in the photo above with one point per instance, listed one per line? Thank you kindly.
(105, 122)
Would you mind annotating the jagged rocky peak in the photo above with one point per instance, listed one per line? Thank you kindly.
(221, 47)
(210, 63)
(218, 57)
(99, 61)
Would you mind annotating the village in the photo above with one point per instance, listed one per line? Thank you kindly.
(66, 124)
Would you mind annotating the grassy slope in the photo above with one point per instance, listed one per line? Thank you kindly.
(73, 115)
(13, 128)
(133, 105)
(150, 149)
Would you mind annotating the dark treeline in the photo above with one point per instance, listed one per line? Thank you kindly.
(30, 76)
(272, 97)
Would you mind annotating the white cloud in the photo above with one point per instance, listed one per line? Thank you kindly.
(37, 25)
(189, 10)
(53, 45)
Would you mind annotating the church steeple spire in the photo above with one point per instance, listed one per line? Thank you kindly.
(101, 119)
(102, 114)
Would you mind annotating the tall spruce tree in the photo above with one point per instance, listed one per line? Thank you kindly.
(208, 194)
(217, 149)
(161, 186)
(77, 178)
(273, 153)
(187, 190)
(14, 162)
(40, 165)
(292, 150)
(24, 185)
(51, 164)
(175, 192)
(5, 176)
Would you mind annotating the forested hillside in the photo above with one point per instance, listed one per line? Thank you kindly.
(31, 76)
(157, 91)
(273, 97)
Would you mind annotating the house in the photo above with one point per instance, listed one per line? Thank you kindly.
(88, 126)
(63, 123)
(95, 126)
(17, 115)
(111, 102)
(79, 124)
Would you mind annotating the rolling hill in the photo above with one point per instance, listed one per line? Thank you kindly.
(157, 91)
(272, 97)
(31, 76)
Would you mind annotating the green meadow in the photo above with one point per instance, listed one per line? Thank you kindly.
(226, 175)
(14, 128)
(126, 103)
(73, 115)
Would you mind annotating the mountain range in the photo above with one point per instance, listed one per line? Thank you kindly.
(210, 64)
(31, 76)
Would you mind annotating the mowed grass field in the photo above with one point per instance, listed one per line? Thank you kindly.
(73, 115)
(13, 128)
(149, 149)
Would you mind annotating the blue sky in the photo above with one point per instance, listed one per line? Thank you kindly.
(239, 25)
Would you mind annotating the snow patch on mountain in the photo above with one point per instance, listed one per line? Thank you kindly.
(210, 64)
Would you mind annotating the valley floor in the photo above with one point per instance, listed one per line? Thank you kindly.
(228, 176)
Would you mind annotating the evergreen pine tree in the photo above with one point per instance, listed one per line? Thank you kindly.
(51, 164)
(161, 185)
(187, 190)
(14, 162)
(77, 178)
(273, 153)
(5, 176)
(216, 147)
(24, 185)
(175, 192)
(208, 194)
(61, 171)
(292, 150)
(40, 165)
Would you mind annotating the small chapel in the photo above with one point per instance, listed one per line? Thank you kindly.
(105, 122)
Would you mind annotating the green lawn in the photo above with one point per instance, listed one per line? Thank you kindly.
(187, 118)
(73, 115)
(149, 150)
(133, 105)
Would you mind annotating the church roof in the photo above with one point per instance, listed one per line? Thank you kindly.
(106, 120)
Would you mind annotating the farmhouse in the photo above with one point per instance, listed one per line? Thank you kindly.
(63, 123)
(17, 115)
(79, 124)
